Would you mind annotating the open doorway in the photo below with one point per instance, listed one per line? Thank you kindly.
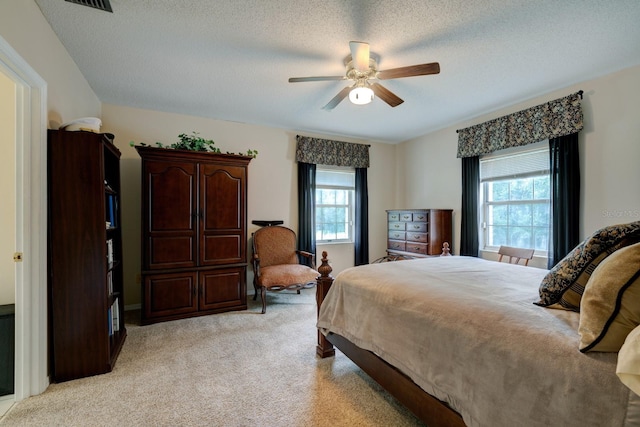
(7, 239)
(29, 222)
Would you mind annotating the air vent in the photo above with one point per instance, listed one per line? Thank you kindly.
(96, 4)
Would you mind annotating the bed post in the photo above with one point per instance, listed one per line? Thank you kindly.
(446, 251)
(324, 347)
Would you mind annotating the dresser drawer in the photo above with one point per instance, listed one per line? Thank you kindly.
(393, 216)
(406, 216)
(420, 216)
(397, 235)
(417, 237)
(418, 248)
(396, 244)
(397, 226)
(420, 227)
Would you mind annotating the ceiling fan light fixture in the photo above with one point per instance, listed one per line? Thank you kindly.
(362, 69)
(361, 95)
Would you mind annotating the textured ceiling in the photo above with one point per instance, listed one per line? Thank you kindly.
(230, 60)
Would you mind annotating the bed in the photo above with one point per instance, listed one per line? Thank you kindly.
(459, 342)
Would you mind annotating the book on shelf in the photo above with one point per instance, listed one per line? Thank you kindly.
(115, 315)
(110, 253)
(110, 321)
(111, 206)
(110, 282)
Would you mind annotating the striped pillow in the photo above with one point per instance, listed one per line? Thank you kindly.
(610, 307)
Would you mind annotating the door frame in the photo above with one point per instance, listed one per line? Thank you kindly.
(31, 376)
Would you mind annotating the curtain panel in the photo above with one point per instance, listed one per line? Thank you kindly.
(565, 196)
(361, 218)
(469, 229)
(546, 121)
(319, 151)
(306, 207)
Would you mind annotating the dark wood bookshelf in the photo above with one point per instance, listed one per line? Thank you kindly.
(83, 173)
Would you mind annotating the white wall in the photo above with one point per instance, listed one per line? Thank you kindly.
(609, 153)
(8, 189)
(272, 183)
(69, 95)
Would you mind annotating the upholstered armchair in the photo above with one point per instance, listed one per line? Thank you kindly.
(276, 265)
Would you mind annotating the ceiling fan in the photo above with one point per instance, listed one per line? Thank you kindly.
(362, 69)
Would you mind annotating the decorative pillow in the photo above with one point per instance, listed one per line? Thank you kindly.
(610, 306)
(565, 282)
(628, 368)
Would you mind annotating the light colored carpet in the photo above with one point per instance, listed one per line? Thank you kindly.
(230, 369)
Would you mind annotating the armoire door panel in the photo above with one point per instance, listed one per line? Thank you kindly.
(222, 249)
(172, 196)
(171, 252)
(222, 288)
(170, 294)
(170, 215)
(222, 192)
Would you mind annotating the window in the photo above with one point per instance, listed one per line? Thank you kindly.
(334, 205)
(515, 198)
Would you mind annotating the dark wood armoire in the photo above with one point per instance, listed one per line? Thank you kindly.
(194, 233)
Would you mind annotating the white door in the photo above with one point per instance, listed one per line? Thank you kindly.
(27, 215)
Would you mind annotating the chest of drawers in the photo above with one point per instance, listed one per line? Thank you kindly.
(418, 232)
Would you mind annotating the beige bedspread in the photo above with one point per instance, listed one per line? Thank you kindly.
(466, 331)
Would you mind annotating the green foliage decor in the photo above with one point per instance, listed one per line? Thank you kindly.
(195, 142)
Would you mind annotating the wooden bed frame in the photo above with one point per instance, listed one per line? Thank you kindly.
(427, 408)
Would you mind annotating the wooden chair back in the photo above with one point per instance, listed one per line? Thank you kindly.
(515, 254)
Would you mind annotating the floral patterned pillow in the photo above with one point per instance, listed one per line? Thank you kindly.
(565, 282)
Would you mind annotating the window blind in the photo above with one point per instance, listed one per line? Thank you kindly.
(335, 179)
(516, 165)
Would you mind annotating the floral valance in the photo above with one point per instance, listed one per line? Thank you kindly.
(333, 153)
(551, 120)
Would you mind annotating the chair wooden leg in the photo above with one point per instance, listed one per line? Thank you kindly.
(263, 294)
(255, 288)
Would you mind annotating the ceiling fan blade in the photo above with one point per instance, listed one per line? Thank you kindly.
(386, 95)
(315, 79)
(360, 55)
(337, 99)
(410, 71)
